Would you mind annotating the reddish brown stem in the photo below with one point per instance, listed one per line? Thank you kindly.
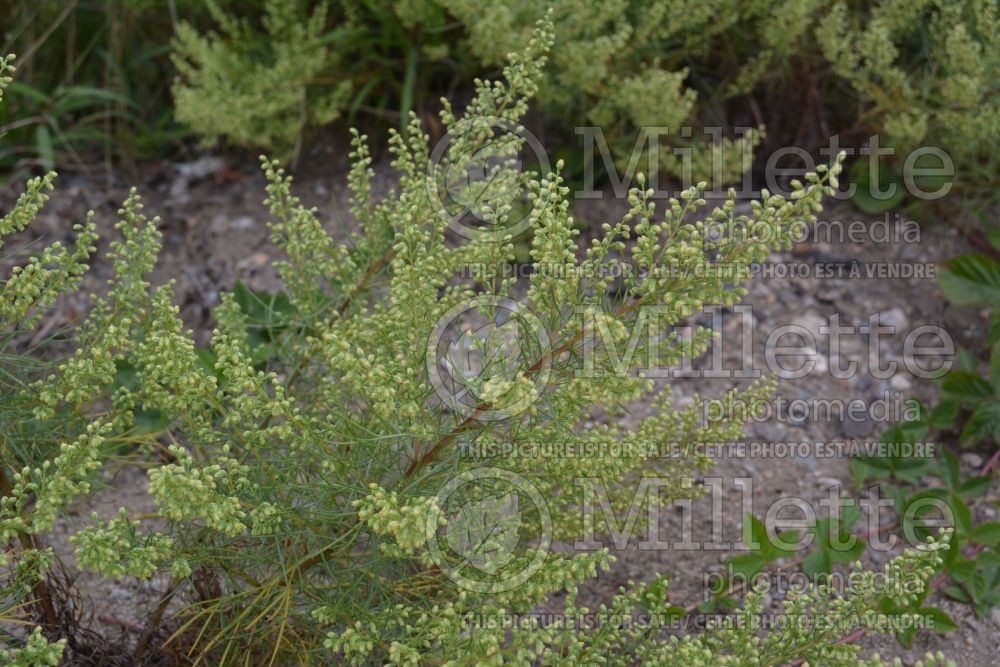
(43, 597)
(991, 463)
(421, 461)
(365, 279)
(154, 621)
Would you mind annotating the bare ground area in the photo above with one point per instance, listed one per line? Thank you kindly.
(214, 230)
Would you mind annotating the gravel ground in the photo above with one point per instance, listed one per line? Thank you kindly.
(214, 228)
(811, 302)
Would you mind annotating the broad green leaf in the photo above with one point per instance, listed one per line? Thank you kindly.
(951, 469)
(975, 487)
(937, 620)
(935, 505)
(904, 432)
(995, 367)
(905, 637)
(835, 540)
(875, 192)
(967, 361)
(993, 328)
(818, 562)
(976, 584)
(755, 534)
(849, 516)
(784, 545)
(961, 569)
(862, 471)
(746, 565)
(846, 555)
(897, 495)
(963, 515)
(944, 414)
(971, 279)
(987, 533)
(727, 602)
(956, 593)
(966, 387)
(984, 423)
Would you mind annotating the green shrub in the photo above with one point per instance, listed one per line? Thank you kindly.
(317, 506)
(258, 89)
(621, 67)
(927, 72)
(630, 64)
(920, 73)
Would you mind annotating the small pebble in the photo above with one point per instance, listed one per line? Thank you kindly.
(900, 382)
(896, 318)
(972, 460)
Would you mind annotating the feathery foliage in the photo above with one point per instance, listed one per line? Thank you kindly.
(320, 506)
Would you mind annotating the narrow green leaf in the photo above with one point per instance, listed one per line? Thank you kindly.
(43, 144)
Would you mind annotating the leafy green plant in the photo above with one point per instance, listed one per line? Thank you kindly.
(258, 89)
(869, 183)
(832, 542)
(51, 126)
(921, 77)
(970, 408)
(264, 85)
(970, 401)
(314, 503)
(692, 57)
(93, 81)
(401, 54)
(969, 567)
(389, 54)
(926, 73)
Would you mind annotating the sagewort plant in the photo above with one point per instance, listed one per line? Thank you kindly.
(317, 500)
